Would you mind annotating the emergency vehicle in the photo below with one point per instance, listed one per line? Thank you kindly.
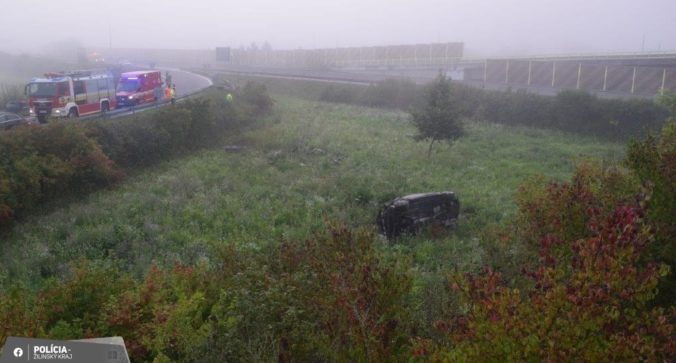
(138, 87)
(72, 94)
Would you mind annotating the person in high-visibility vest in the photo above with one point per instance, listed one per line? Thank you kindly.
(167, 93)
(173, 94)
(157, 94)
(167, 77)
(228, 97)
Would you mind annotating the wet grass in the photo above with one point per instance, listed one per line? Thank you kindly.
(317, 161)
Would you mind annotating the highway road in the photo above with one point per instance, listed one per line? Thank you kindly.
(187, 83)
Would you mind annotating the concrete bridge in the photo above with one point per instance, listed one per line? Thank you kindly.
(626, 75)
(611, 75)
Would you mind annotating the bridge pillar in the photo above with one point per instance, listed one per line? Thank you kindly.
(507, 71)
(530, 65)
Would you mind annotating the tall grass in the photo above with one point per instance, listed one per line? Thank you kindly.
(317, 161)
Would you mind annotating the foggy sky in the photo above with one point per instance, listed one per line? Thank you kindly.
(487, 27)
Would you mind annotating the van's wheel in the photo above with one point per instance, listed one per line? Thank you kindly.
(72, 113)
(42, 119)
(105, 107)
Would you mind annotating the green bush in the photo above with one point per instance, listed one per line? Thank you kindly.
(564, 210)
(132, 142)
(333, 297)
(653, 160)
(390, 93)
(589, 293)
(255, 94)
(570, 111)
(163, 315)
(330, 298)
(147, 138)
(339, 94)
(42, 163)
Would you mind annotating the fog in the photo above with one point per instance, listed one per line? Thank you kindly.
(487, 27)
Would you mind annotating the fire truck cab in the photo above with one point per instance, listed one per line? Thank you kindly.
(138, 87)
(71, 94)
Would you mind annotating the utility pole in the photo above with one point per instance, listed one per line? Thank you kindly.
(110, 34)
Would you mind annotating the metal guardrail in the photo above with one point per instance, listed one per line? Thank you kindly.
(586, 56)
(132, 110)
(370, 77)
(299, 77)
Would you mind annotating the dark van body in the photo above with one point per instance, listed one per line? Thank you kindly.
(408, 214)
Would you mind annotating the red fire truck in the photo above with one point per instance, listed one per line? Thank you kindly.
(138, 87)
(71, 94)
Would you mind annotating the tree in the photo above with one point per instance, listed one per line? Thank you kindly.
(653, 160)
(668, 100)
(588, 295)
(439, 118)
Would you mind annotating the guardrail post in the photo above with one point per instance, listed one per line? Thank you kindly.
(605, 78)
(553, 73)
(664, 79)
(579, 73)
(507, 71)
(530, 64)
(415, 54)
(633, 81)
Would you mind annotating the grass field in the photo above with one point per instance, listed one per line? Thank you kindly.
(314, 161)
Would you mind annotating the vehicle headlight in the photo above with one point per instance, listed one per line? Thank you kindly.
(130, 97)
(58, 111)
(31, 111)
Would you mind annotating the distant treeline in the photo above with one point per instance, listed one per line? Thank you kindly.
(18, 69)
(570, 111)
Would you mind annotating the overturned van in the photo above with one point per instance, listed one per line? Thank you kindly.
(408, 214)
